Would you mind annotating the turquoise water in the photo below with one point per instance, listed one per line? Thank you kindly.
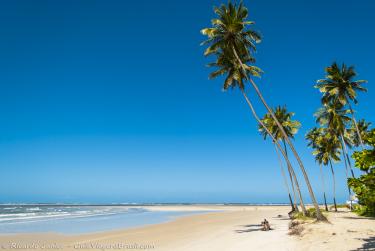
(79, 219)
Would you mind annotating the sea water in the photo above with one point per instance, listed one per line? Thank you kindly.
(79, 219)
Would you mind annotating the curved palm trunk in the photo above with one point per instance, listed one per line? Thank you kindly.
(290, 168)
(319, 215)
(346, 156)
(293, 174)
(355, 124)
(334, 186)
(284, 177)
(291, 180)
(323, 185)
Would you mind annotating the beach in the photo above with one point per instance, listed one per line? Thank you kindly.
(187, 125)
(227, 228)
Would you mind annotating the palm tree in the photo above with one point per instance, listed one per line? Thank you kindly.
(326, 151)
(313, 138)
(291, 128)
(230, 36)
(340, 86)
(335, 118)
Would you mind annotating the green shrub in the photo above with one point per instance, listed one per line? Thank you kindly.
(300, 216)
(364, 186)
(340, 206)
(311, 215)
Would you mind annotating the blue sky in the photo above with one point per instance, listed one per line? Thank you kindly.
(109, 101)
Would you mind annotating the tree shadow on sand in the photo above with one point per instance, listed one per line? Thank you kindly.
(249, 228)
(260, 227)
(368, 245)
(358, 218)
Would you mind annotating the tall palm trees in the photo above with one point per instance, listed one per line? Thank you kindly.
(229, 36)
(339, 86)
(291, 128)
(327, 150)
(340, 89)
(334, 117)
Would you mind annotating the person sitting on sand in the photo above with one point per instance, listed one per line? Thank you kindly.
(265, 225)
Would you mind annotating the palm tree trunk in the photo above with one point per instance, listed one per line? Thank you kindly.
(349, 190)
(334, 186)
(284, 177)
(323, 185)
(325, 201)
(290, 177)
(355, 124)
(346, 156)
(319, 215)
(290, 168)
(350, 164)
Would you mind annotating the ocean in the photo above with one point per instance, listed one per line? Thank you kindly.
(79, 219)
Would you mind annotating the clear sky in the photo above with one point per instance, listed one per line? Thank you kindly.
(109, 101)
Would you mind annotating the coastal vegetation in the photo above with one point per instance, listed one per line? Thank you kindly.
(364, 186)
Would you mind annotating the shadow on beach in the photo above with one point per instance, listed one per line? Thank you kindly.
(250, 228)
(368, 245)
(358, 218)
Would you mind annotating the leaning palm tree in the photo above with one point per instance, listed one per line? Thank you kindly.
(340, 86)
(291, 128)
(328, 150)
(313, 137)
(235, 79)
(230, 36)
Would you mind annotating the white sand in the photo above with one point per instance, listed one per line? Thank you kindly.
(236, 228)
(345, 231)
